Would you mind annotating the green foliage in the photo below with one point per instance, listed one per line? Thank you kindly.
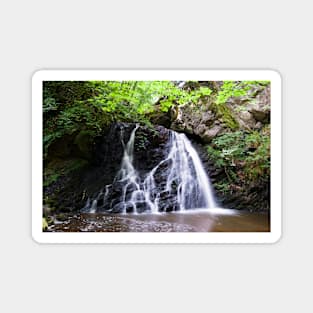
(66, 110)
(254, 83)
(70, 107)
(233, 89)
(50, 179)
(49, 104)
(258, 160)
(66, 92)
(128, 99)
(222, 187)
(230, 89)
(172, 95)
(59, 168)
(74, 118)
(227, 148)
(245, 157)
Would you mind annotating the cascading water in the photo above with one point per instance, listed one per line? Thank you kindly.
(184, 184)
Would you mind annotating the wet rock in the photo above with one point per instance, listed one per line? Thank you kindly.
(208, 123)
(260, 108)
(47, 210)
(211, 133)
(200, 130)
(261, 115)
(61, 217)
(165, 195)
(161, 118)
(130, 208)
(142, 207)
(119, 207)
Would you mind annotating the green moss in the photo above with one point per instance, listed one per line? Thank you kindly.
(224, 112)
(50, 179)
(44, 224)
(59, 168)
(61, 217)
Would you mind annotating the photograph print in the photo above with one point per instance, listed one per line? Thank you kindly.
(156, 156)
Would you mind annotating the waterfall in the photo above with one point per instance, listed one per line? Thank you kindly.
(195, 189)
(183, 185)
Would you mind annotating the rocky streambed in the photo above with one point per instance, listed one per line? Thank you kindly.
(197, 221)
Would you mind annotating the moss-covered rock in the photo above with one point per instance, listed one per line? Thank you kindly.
(225, 114)
(44, 224)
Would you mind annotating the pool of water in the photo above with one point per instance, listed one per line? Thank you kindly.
(214, 220)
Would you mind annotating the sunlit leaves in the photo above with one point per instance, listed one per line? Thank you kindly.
(49, 104)
(230, 89)
(233, 89)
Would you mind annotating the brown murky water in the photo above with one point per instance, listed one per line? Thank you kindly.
(195, 221)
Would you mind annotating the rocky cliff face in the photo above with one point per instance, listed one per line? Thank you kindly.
(205, 121)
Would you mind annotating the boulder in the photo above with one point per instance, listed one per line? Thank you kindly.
(200, 130)
(260, 108)
(246, 120)
(211, 133)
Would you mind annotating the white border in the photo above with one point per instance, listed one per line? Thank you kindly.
(210, 237)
